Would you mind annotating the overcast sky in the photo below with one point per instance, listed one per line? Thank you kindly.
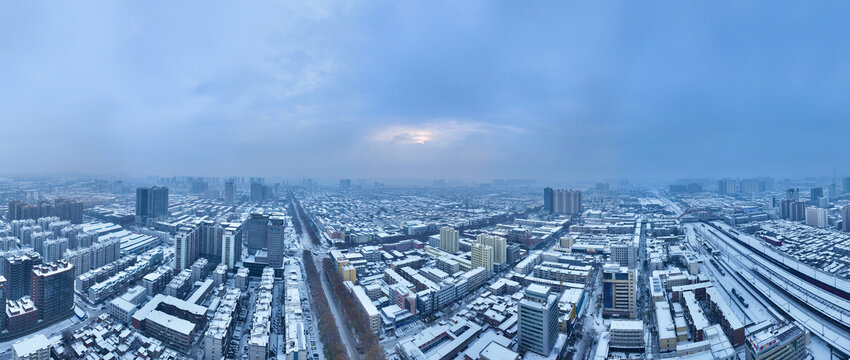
(458, 89)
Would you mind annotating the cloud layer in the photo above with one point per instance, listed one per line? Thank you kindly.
(467, 90)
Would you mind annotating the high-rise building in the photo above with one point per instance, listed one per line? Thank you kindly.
(345, 183)
(449, 239)
(797, 211)
(817, 217)
(52, 289)
(815, 195)
(257, 227)
(537, 315)
(792, 194)
(209, 238)
(17, 269)
(482, 256)
(562, 201)
(618, 291)
(199, 186)
(752, 186)
(229, 193)
(781, 341)
(499, 244)
(151, 203)
(19, 210)
(548, 198)
(845, 218)
(37, 241)
(792, 210)
(266, 231)
(257, 191)
(68, 209)
(845, 184)
(624, 253)
(231, 245)
(186, 246)
(727, 187)
(513, 253)
(783, 206)
(2, 302)
(54, 249)
(276, 226)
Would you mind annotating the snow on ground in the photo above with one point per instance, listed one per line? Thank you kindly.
(818, 348)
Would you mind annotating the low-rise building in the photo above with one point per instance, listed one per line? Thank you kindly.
(367, 307)
(665, 327)
(782, 341)
(220, 329)
(626, 334)
(21, 314)
(155, 281)
(33, 348)
(122, 310)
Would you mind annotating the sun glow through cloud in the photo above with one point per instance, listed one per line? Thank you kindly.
(443, 131)
(405, 135)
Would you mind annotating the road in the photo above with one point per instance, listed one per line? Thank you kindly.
(315, 350)
(320, 252)
(249, 318)
(591, 320)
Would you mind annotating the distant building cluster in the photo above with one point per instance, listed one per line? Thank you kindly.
(392, 215)
(65, 209)
(206, 238)
(560, 201)
(151, 203)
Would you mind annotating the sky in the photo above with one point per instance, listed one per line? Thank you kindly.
(472, 90)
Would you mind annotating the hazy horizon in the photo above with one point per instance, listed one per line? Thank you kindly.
(458, 91)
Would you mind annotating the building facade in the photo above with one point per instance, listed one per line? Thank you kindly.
(537, 314)
(817, 217)
(618, 291)
(561, 201)
(482, 256)
(845, 218)
(499, 245)
(784, 341)
(449, 239)
(52, 289)
(231, 247)
(186, 247)
(18, 269)
(276, 226)
(151, 203)
(34, 348)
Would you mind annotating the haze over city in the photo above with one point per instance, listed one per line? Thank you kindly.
(444, 180)
(469, 90)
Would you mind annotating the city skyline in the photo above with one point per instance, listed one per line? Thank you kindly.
(519, 271)
(379, 180)
(466, 91)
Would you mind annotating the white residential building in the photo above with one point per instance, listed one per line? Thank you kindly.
(34, 348)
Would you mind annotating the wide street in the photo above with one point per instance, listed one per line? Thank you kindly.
(319, 253)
